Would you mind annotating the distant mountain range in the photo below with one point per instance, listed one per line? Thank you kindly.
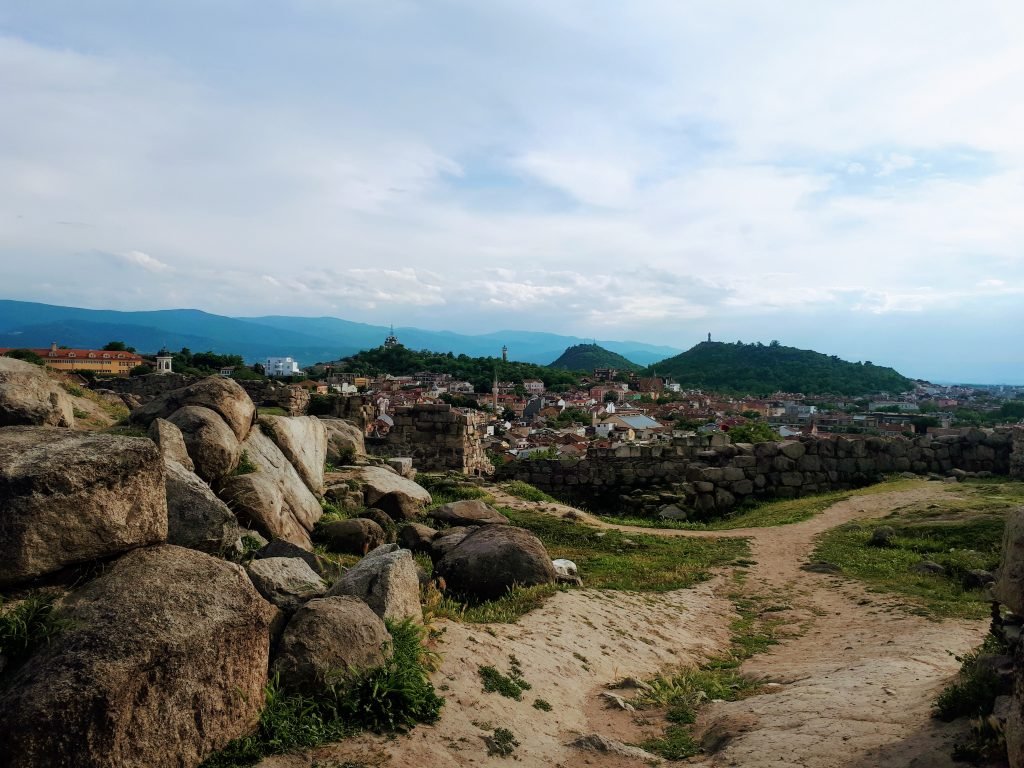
(308, 339)
(761, 369)
(587, 357)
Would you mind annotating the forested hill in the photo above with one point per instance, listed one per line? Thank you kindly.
(480, 371)
(587, 357)
(761, 370)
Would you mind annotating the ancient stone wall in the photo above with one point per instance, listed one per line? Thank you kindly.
(147, 387)
(437, 437)
(1017, 456)
(706, 476)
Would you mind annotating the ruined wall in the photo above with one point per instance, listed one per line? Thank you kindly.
(147, 387)
(437, 437)
(1017, 457)
(706, 476)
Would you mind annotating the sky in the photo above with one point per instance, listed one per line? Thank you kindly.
(845, 177)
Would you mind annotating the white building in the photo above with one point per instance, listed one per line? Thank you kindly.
(282, 366)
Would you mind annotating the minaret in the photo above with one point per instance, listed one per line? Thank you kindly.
(709, 335)
(504, 353)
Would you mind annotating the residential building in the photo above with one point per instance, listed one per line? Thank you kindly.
(98, 360)
(281, 366)
(534, 386)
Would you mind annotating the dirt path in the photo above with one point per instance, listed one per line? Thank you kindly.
(852, 689)
(858, 682)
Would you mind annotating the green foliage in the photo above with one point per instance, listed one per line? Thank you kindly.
(973, 693)
(27, 355)
(245, 465)
(761, 370)
(479, 371)
(510, 686)
(321, 405)
(568, 417)
(142, 369)
(504, 610)
(392, 698)
(27, 626)
(631, 561)
(445, 489)
(525, 491)
(501, 743)
(753, 432)
(117, 346)
(542, 705)
(587, 357)
(204, 363)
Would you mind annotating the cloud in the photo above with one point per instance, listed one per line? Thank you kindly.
(143, 260)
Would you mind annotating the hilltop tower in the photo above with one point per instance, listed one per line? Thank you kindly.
(504, 353)
(163, 361)
(392, 340)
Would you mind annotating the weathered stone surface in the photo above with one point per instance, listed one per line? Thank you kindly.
(403, 466)
(282, 548)
(287, 582)
(1009, 587)
(345, 441)
(328, 639)
(29, 397)
(382, 488)
(213, 447)
(882, 536)
(273, 498)
(416, 537)
(71, 497)
(171, 442)
(223, 396)
(386, 580)
(383, 519)
(196, 518)
(493, 558)
(356, 536)
(469, 512)
(303, 441)
(162, 661)
(446, 540)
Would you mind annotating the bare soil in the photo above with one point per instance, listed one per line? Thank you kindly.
(851, 686)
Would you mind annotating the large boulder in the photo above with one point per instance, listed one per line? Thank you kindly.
(353, 537)
(387, 581)
(330, 639)
(223, 396)
(382, 488)
(171, 442)
(492, 559)
(212, 446)
(469, 512)
(282, 548)
(345, 441)
(162, 660)
(72, 497)
(416, 537)
(196, 518)
(303, 440)
(447, 540)
(29, 397)
(287, 582)
(272, 497)
(383, 519)
(1009, 587)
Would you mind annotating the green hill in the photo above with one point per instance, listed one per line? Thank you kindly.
(761, 370)
(587, 357)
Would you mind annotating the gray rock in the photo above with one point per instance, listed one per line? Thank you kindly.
(381, 518)
(303, 441)
(29, 397)
(213, 447)
(355, 537)
(328, 640)
(162, 658)
(594, 742)
(196, 518)
(386, 580)
(1009, 587)
(672, 512)
(882, 536)
(447, 539)
(287, 582)
(171, 442)
(403, 466)
(282, 548)
(492, 559)
(345, 441)
(821, 566)
(469, 512)
(221, 395)
(928, 567)
(382, 488)
(977, 579)
(68, 498)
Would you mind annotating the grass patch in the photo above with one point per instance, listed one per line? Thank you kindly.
(245, 465)
(126, 431)
(511, 686)
(501, 743)
(526, 492)
(973, 693)
(542, 705)
(271, 410)
(610, 559)
(27, 626)
(445, 489)
(393, 698)
(955, 537)
(505, 610)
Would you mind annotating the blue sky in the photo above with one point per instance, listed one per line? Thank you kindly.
(847, 177)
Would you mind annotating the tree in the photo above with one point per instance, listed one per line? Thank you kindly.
(27, 355)
(117, 346)
(756, 432)
(141, 370)
(611, 396)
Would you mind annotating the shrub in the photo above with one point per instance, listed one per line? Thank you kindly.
(27, 355)
(973, 692)
(26, 627)
(245, 465)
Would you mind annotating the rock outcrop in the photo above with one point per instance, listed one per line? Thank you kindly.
(386, 580)
(329, 639)
(196, 518)
(492, 559)
(382, 488)
(162, 660)
(221, 395)
(171, 442)
(303, 441)
(68, 498)
(211, 444)
(353, 537)
(272, 497)
(345, 441)
(416, 537)
(287, 582)
(468, 512)
(29, 397)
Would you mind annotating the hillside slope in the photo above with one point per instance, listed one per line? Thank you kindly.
(761, 370)
(587, 357)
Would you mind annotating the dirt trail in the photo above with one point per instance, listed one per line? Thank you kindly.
(853, 689)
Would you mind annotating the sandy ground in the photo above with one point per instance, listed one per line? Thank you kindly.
(853, 686)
